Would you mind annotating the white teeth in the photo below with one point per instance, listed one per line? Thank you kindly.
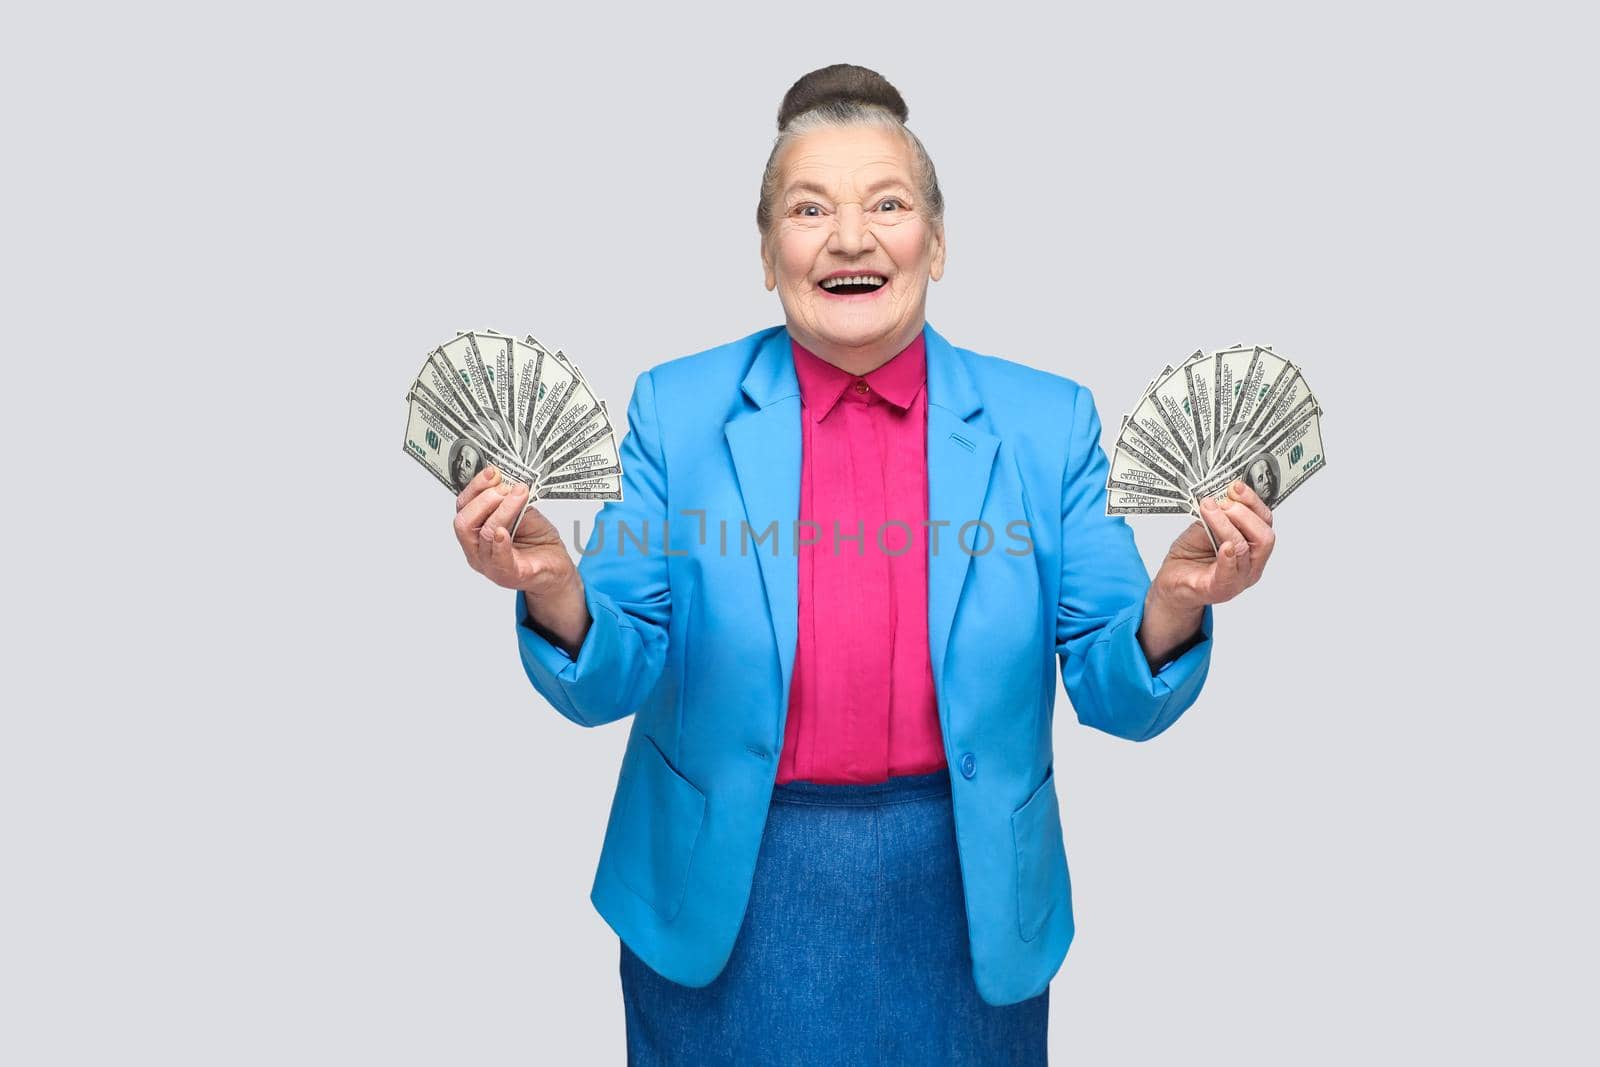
(854, 279)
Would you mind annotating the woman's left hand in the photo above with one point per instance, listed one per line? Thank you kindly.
(1194, 575)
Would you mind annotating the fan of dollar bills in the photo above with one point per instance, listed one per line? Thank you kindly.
(485, 398)
(1244, 413)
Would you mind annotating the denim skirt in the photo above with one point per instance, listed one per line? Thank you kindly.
(853, 949)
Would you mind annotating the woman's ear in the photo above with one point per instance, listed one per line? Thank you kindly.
(770, 274)
(936, 265)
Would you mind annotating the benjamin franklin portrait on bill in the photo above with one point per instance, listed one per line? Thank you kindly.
(464, 460)
(1264, 478)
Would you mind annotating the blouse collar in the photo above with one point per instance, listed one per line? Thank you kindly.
(898, 381)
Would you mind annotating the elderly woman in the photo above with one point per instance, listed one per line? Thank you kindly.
(847, 558)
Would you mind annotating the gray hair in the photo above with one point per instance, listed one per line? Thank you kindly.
(840, 114)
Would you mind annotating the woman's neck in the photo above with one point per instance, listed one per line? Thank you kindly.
(856, 360)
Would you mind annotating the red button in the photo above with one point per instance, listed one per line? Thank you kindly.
(861, 386)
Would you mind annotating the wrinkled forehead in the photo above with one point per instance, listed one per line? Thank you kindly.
(845, 163)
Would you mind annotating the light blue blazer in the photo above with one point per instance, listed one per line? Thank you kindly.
(696, 639)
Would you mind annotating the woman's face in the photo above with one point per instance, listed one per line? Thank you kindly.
(848, 206)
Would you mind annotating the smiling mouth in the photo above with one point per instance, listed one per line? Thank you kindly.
(852, 285)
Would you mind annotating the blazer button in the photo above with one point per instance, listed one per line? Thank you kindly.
(969, 765)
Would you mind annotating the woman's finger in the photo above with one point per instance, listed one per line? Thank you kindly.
(500, 558)
(1256, 532)
(1230, 575)
(1247, 496)
(469, 520)
(1247, 522)
(490, 475)
(1222, 528)
(516, 495)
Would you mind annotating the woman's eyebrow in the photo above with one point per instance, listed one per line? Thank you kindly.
(804, 186)
(885, 183)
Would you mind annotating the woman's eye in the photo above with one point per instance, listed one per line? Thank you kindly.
(810, 211)
(890, 204)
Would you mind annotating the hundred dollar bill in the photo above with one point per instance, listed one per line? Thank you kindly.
(1166, 416)
(594, 450)
(435, 444)
(1283, 402)
(1242, 412)
(1135, 447)
(440, 442)
(1130, 471)
(561, 390)
(574, 423)
(561, 357)
(1255, 442)
(488, 397)
(495, 351)
(1146, 428)
(1157, 453)
(533, 385)
(1130, 502)
(1199, 373)
(506, 459)
(607, 487)
(581, 423)
(462, 356)
(1278, 466)
(1229, 372)
(485, 361)
(1256, 384)
(1157, 380)
(450, 389)
(578, 373)
(577, 474)
(1289, 392)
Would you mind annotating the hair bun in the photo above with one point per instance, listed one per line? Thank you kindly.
(841, 83)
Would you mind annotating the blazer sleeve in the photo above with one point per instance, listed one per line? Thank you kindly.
(627, 591)
(1103, 585)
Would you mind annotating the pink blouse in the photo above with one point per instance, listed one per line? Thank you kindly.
(862, 704)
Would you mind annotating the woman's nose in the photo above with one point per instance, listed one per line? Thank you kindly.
(851, 235)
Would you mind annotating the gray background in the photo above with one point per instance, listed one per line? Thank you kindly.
(273, 788)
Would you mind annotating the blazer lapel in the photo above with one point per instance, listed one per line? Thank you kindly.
(960, 456)
(765, 444)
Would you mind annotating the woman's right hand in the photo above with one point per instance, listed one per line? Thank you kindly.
(535, 561)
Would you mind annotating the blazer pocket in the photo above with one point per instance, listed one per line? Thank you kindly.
(1042, 880)
(661, 820)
